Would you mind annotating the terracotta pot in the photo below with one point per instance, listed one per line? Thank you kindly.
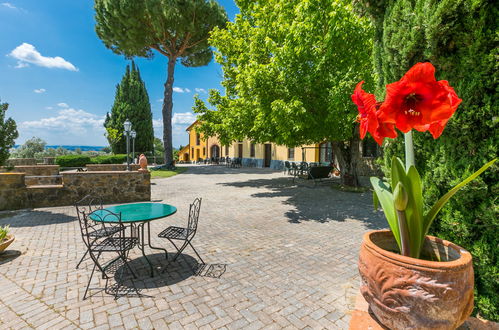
(408, 293)
(6, 243)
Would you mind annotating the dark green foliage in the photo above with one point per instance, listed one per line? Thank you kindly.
(177, 29)
(8, 133)
(72, 161)
(131, 102)
(460, 38)
(113, 159)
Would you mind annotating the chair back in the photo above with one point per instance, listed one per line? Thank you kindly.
(85, 206)
(100, 219)
(194, 209)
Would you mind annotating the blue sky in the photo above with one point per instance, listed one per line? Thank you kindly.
(60, 80)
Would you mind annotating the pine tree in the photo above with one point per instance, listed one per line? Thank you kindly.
(131, 102)
(8, 133)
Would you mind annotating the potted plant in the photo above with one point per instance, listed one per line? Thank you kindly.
(5, 238)
(412, 280)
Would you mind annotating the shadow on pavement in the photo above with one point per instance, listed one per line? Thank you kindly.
(35, 218)
(321, 204)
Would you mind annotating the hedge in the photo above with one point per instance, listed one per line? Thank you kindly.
(113, 159)
(460, 38)
(72, 160)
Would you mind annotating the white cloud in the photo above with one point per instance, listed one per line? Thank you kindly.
(201, 90)
(8, 5)
(70, 121)
(63, 105)
(183, 118)
(40, 91)
(181, 90)
(49, 108)
(26, 53)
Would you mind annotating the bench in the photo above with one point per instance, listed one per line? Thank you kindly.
(316, 173)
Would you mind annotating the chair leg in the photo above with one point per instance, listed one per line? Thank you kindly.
(89, 280)
(179, 251)
(81, 260)
(202, 261)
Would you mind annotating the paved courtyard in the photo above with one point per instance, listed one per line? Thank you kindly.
(286, 255)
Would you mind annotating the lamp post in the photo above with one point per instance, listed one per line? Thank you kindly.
(128, 127)
(133, 134)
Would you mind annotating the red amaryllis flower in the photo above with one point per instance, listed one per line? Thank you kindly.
(367, 111)
(368, 116)
(418, 100)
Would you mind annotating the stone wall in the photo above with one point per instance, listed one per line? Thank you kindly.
(20, 161)
(34, 169)
(13, 193)
(111, 167)
(113, 187)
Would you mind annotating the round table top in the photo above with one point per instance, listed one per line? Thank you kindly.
(135, 212)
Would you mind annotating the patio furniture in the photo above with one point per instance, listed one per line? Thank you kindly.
(117, 243)
(139, 216)
(185, 234)
(287, 167)
(316, 173)
(87, 205)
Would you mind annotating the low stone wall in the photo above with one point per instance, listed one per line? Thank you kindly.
(34, 169)
(113, 187)
(20, 161)
(111, 167)
(13, 193)
(42, 180)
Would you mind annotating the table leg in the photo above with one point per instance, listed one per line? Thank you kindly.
(142, 246)
(149, 241)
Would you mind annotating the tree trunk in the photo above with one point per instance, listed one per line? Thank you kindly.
(347, 154)
(167, 113)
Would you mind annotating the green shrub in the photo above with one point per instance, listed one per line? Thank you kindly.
(72, 160)
(112, 159)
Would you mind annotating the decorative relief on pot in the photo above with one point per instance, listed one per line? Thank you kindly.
(413, 296)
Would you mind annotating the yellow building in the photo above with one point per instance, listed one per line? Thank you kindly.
(183, 154)
(251, 154)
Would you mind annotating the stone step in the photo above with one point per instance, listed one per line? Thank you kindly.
(47, 186)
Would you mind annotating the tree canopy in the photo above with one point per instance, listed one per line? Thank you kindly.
(289, 68)
(177, 29)
(130, 102)
(8, 133)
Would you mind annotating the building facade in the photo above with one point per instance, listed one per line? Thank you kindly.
(269, 154)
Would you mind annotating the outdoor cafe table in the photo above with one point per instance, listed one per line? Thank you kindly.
(141, 215)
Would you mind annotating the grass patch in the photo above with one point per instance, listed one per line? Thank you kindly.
(155, 174)
(342, 187)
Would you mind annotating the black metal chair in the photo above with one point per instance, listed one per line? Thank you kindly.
(87, 205)
(287, 167)
(117, 243)
(185, 234)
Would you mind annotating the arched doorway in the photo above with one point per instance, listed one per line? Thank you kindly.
(215, 151)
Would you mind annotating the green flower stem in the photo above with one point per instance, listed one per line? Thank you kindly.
(409, 151)
(404, 234)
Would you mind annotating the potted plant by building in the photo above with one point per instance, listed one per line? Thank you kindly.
(5, 238)
(412, 280)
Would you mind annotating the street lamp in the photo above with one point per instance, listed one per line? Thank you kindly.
(133, 134)
(128, 127)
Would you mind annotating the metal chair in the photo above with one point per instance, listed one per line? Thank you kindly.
(116, 243)
(87, 205)
(287, 167)
(185, 234)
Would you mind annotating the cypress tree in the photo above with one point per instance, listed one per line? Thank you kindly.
(131, 102)
(460, 38)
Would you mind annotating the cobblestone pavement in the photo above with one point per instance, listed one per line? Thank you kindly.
(290, 253)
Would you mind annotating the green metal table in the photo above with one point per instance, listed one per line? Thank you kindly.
(139, 216)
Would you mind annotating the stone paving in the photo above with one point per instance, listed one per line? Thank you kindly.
(290, 252)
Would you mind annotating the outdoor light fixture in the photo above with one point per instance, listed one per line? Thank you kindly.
(133, 134)
(128, 127)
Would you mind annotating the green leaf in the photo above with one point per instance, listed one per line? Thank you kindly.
(445, 198)
(385, 198)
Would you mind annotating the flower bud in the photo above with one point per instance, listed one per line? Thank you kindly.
(400, 197)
